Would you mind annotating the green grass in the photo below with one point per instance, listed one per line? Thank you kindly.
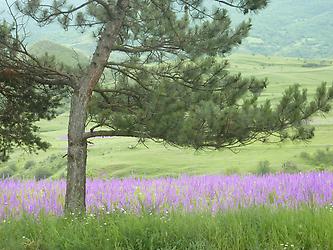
(255, 228)
(114, 157)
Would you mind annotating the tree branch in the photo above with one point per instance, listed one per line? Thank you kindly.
(110, 133)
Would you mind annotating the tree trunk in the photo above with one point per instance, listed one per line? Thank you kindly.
(77, 155)
(77, 143)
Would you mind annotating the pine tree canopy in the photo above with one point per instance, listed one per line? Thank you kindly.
(23, 101)
(165, 76)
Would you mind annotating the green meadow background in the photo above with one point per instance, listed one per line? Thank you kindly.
(120, 157)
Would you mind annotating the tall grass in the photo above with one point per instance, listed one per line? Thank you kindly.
(254, 228)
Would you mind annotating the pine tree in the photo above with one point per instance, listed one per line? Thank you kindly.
(21, 102)
(167, 79)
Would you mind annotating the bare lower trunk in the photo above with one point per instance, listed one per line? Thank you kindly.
(77, 156)
(77, 144)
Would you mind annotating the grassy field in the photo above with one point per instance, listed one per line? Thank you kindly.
(117, 157)
(256, 228)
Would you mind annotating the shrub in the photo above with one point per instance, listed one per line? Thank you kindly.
(320, 168)
(54, 162)
(263, 168)
(319, 158)
(13, 167)
(6, 172)
(52, 157)
(63, 175)
(231, 171)
(42, 173)
(312, 65)
(90, 173)
(29, 164)
(289, 167)
(305, 155)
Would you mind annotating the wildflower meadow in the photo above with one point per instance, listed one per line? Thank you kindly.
(277, 211)
(185, 194)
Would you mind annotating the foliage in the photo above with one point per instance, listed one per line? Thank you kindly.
(232, 171)
(191, 100)
(29, 164)
(290, 167)
(22, 102)
(42, 173)
(54, 162)
(114, 157)
(255, 228)
(6, 172)
(319, 158)
(13, 166)
(263, 168)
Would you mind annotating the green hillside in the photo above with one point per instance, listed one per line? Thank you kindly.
(66, 55)
(294, 28)
(120, 157)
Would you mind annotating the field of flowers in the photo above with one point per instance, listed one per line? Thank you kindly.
(187, 194)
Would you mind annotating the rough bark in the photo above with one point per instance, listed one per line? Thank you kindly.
(77, 142)
(77, 156)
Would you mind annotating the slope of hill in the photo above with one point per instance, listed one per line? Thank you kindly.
(73, 38)
(295, 28)
(291, 28)
(66, 55)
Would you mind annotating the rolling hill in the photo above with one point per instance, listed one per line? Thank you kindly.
(63, 54)
(294, 28)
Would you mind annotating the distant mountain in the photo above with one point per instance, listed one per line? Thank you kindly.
(298, 28)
